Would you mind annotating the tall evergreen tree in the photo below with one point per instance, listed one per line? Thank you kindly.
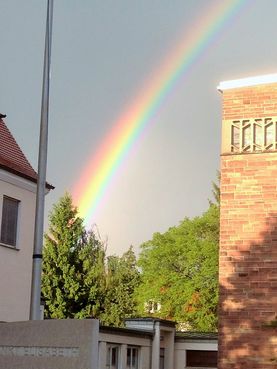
(78, 280)
(73, 265)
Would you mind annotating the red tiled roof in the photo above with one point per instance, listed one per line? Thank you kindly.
(12, 158)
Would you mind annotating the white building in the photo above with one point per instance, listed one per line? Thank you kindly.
(17, 213)
(151, 343)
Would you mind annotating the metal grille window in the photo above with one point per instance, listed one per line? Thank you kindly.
(132, 357)
(253, 135)
(9, 221)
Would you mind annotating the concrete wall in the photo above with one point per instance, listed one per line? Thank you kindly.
(49, 344)
(248, 236)
(16, 263)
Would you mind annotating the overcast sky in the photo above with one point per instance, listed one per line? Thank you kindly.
(103, 52)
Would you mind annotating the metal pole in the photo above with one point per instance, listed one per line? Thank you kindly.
(42, 163)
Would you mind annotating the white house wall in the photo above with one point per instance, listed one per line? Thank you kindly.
(16, 263)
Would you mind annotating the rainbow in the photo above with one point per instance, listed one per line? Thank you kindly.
(101, 168)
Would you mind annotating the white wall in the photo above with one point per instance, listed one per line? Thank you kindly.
(16, 264)
(123, 341)
(181, 347)
(146, 346)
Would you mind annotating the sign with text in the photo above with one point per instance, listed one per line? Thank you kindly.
(49, 344)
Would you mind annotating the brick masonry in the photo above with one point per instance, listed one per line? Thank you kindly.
(248, 242)
(250, 102)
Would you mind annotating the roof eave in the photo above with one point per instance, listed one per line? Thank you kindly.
(23, 175)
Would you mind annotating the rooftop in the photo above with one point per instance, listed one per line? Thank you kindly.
(245, 82)
(12, 159)
(150, 320)
(197, 335)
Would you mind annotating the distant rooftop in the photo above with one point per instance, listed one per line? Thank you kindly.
(245, 82)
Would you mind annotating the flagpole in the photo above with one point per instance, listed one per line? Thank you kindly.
(42, 164)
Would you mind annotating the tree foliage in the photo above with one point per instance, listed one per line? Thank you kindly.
(180, 272)
(73, 265)
(177, 271)
(78, 280)
(122, 278)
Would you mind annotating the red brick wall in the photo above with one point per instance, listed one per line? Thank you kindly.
(250, 102)
(248, 243)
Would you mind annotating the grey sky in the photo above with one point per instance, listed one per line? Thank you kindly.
(102, 52)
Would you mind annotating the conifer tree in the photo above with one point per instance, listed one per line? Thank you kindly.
(78, 280)
(73, 266)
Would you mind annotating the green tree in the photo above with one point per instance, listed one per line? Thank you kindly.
(73, 279)
(78, 280)
(179, 270)
(216, 190)
(122, 277)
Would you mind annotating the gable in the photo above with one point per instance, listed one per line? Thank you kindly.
(12, 158)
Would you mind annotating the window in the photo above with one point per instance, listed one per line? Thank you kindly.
(112, 356)
(162, 354)
(201, 359)
(235, 136)
(269, 135)
(152, 307)
(9, 221)
(252, 135)
(132, 357)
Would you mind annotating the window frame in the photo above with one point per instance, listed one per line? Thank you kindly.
(3, 237)
(109, 356)
(137, 363)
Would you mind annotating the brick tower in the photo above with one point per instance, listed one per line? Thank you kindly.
(248, 236)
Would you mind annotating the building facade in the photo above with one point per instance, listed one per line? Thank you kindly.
(17, 214)
(248, 230)
(83, 344)
(151, 343)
